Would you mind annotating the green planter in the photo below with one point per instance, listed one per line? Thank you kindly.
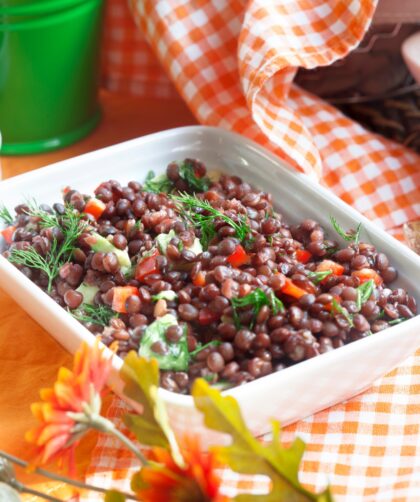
(49, 73)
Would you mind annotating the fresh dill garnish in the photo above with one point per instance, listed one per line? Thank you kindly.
(336, 307)
(59, 253)
(317, 277)
(193, 210)
(5, 215)
(364, 292)
(213, 343)
(351, 235)
(157, 184)
(257, 299)
(100, 314)
(186, 173)
(397, 321)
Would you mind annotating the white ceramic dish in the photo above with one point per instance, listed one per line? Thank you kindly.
(291, 394)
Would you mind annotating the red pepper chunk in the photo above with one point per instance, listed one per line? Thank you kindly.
(207, 316)
(7, 234)
(365, 274)
(147, 266)
(199, 279)
(291, 289)
(239, 257)
(303, 255)
(120, 297)
(95, 207)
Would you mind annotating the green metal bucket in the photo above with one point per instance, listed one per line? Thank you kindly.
(49, 76)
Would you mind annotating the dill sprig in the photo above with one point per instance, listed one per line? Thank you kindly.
(5, 215)
(349, 236)
(257, 299)
(364, 292)
(186, 172)
(94, 314)
(194, 211)
(317, 277)
(337, 308)
(71, 226)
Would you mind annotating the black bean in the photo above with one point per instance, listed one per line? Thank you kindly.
(73, 298)
(215, 362)
(119, 241)
(360, 323)
(243, 339)
(389, 274)
(187, 312)
(404, 311)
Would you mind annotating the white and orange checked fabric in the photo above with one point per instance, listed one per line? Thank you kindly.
(233, 62)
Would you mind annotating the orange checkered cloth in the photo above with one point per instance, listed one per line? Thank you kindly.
(233, 62)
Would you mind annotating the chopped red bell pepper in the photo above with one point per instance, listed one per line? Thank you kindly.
(291, 289)
(95, 207)
(199, 279)
(303, 255)
(147, 266)
(365, 274)
(7, 234)
(121, 294)
(207, 316)
(239, 257)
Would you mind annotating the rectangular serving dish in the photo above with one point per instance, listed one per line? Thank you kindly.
(291, 394)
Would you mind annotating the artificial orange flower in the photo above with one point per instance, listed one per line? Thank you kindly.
(65, 410)
(162, 480)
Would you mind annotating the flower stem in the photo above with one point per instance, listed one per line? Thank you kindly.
(104, 425)
(25, 489)
(58, 477)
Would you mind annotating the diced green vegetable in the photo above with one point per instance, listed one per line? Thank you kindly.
(163, 240)
(157, 184)
(186, 172)
(196, 247)
(177, 357)
(102, 245)
(88, 292)
(165, 295)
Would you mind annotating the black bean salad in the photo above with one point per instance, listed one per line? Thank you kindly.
(205, 276)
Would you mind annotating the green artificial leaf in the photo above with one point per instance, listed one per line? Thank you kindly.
(177, 356)
(8, 494)
(186, 172)
(114, 496)
(165, 295)
(157, 184)
(351, 235)
(247, 455)
(364, 292)
(141, 378)
(317, 277)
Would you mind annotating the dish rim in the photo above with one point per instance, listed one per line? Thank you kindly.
(182, 400)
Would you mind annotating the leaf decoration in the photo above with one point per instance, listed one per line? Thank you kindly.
(247, 455)
(364, 291)
(114, 496)
(152, 428)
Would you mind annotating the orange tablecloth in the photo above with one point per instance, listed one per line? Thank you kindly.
(29, 356)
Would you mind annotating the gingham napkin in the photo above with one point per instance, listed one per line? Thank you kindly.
(233, 62)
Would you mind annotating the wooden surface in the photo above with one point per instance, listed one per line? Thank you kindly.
(29, 356)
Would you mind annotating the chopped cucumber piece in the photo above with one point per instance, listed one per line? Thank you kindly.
(103, 245)
(88, 292)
